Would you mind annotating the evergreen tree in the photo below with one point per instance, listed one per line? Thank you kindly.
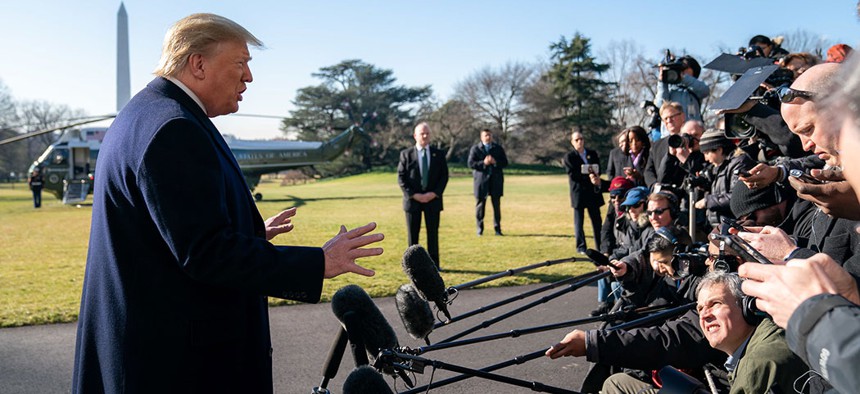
(584, 99)
(351, 92)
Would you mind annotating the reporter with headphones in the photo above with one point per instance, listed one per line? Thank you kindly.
(759, 357)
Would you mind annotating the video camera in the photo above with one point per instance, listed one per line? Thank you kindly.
(652, 111)
(690, 260)
(672, 69)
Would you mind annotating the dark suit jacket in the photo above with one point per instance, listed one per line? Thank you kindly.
(178, 269)
(583, 193)
(617, 161)
(655, 166)
(409, 178)
(488, 180)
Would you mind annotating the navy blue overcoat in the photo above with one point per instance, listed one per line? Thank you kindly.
(178, 267)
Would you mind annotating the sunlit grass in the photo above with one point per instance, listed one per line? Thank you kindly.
(43, 252)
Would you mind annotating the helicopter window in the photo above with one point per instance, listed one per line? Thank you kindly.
(59, 156)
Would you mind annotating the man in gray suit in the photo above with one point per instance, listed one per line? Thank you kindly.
(487, 159)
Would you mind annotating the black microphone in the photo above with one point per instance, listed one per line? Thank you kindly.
(332, 362)
(598, 258)
(372, 327)
(414, 312)
(365, 380)
(422, 271)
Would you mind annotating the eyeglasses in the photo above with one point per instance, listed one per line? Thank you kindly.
(657, 211)
(670, 117)
(787, 94)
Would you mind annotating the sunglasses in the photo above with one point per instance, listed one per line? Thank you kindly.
(787, 94)
(641, 203)
(657, 211)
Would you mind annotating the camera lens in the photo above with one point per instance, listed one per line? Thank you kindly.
(676, 141)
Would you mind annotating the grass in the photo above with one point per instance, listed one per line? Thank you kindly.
(43, 252)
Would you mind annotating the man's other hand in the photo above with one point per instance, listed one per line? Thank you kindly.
(280, 223)
(762, 175)
(573, 344)
(779, 290)
(770, 241)
(835, 198)
(342, 250)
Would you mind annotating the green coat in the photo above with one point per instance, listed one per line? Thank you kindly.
(765, 361)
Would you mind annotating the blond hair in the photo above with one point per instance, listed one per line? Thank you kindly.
(198, 34)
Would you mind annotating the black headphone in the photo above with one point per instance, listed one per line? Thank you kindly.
(674, 207)
(752, 315)
(667, 234)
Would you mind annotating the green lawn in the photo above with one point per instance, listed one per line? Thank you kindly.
(43, 251)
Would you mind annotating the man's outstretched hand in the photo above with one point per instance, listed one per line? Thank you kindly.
(342, 250)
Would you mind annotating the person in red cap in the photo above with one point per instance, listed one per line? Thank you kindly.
(609, 240)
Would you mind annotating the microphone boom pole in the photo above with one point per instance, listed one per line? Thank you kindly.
(513, 298)
(573, 286)
(513, 271)
(533, 385)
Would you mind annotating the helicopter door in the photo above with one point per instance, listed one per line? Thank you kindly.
(77, 184)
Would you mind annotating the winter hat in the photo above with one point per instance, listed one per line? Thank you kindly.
(745, 201)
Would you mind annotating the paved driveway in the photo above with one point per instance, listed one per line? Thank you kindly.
(39, 359)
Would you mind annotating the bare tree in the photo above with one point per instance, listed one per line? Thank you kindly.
(806, 41)
(456, 126)
(495, 95)
(40, 115)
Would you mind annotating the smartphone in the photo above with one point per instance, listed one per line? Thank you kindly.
(742, 173)
(590, 169)
(742, 248)
(804, 177)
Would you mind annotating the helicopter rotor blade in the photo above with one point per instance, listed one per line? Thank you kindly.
(40, 132)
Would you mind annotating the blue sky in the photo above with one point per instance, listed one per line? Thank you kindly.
(64, 51)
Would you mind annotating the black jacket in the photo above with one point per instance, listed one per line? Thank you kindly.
(722, 178)
(409, 178)
(488, 180)
(618, 159)
(583, 193)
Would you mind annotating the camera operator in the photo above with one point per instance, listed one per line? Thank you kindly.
(726, 163)
(684, 158)
(814, 299)
(763, 46)
(678, 82)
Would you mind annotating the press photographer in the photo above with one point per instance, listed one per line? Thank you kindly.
(678, 81)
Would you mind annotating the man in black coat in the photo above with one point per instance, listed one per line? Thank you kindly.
(179, 264)
(423, 174)
(585, 193)
(487, 160)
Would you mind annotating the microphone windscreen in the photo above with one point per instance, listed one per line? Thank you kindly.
(414, 312)
(373, 328)
(422, 271)
(597, 257)
(365, 380)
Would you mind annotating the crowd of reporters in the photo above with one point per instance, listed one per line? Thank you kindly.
(771, 177)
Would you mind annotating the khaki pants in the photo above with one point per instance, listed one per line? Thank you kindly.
(622, 383)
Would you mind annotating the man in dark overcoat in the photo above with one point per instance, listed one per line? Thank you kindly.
(179, 264)
(487, 160)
